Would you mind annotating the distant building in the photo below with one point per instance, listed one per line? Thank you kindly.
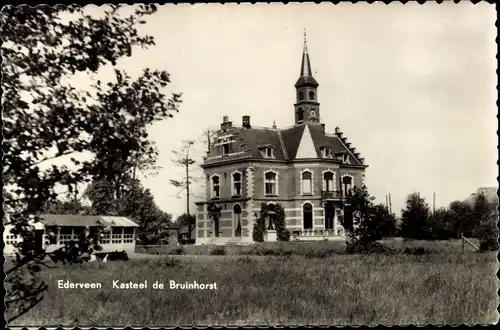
(303, 168)
(490, 193)
(118, 232)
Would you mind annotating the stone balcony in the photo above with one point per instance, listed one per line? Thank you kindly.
(336, 195)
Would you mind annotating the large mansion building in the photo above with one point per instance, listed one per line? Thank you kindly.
(303, 168)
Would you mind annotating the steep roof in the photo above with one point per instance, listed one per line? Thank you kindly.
(67, 220)
(285, 142)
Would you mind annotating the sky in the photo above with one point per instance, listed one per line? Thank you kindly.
(411, 86)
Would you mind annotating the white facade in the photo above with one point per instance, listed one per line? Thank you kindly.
(118, 235)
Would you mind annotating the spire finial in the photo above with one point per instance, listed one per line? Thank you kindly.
(305, 40)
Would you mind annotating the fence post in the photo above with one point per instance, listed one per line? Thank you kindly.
(463, 243)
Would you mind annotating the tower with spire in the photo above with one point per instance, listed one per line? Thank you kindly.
(306, 106)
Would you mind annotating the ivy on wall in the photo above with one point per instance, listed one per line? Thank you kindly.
(260, 226)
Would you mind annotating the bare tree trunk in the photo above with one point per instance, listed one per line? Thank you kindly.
(187, 199)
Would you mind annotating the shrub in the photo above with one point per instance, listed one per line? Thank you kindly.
(218, 251)
(259, 227)
(416, 251)
(178, 250)
(356, 247)
(172, 263)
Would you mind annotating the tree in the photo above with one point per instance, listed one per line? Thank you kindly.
(488, 231)
(184, 159)
(184, 220)
(134, 202)
(415, 218)
(45, 117)
(440, 225)
(364, 222)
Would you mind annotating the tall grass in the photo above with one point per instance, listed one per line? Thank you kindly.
(434, 288)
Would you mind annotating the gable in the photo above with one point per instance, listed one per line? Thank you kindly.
(306, 146)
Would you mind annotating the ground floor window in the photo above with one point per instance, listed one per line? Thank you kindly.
(105, 238)
(116, 237)
(128, 235)
(10, 239)
(307, 216)
(65, 235)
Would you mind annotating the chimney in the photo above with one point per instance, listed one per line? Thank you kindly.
(226, 124)
(323, 127)
(274, 125)
(246, 122)
(337, 130)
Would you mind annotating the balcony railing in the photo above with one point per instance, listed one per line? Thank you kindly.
(337, 194)
(318, 233)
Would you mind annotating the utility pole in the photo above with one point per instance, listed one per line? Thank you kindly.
(390, 204)
(184, 160)
(433, 203)
(387, 202)
(75, 199)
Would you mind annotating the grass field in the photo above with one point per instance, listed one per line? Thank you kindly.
(441, 287)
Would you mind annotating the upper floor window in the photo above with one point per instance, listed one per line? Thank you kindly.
(328, 181)
(347, 184)
(270, 182)
(215, 187)
(311, 95)
(236, 184)
(306, 183)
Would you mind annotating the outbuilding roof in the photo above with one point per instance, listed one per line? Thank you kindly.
(69, 220)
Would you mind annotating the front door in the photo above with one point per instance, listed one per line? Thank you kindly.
(215, 226)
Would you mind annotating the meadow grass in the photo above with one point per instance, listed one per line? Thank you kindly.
(442, 287)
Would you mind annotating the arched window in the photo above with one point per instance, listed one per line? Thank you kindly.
(301, 96)
(237, 220)
(328, 181)
(236, 184)
(347, 185)
(311, 95)
(307, 216)
(306, 183)
(215, 187)
(270, 182)
(300, 115)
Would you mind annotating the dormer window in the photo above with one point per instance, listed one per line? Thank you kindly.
(326, 152)
(346, 159)
(226, 146)
(269, 152)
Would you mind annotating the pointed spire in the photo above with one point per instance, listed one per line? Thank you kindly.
(305, 69)
(306, 77)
